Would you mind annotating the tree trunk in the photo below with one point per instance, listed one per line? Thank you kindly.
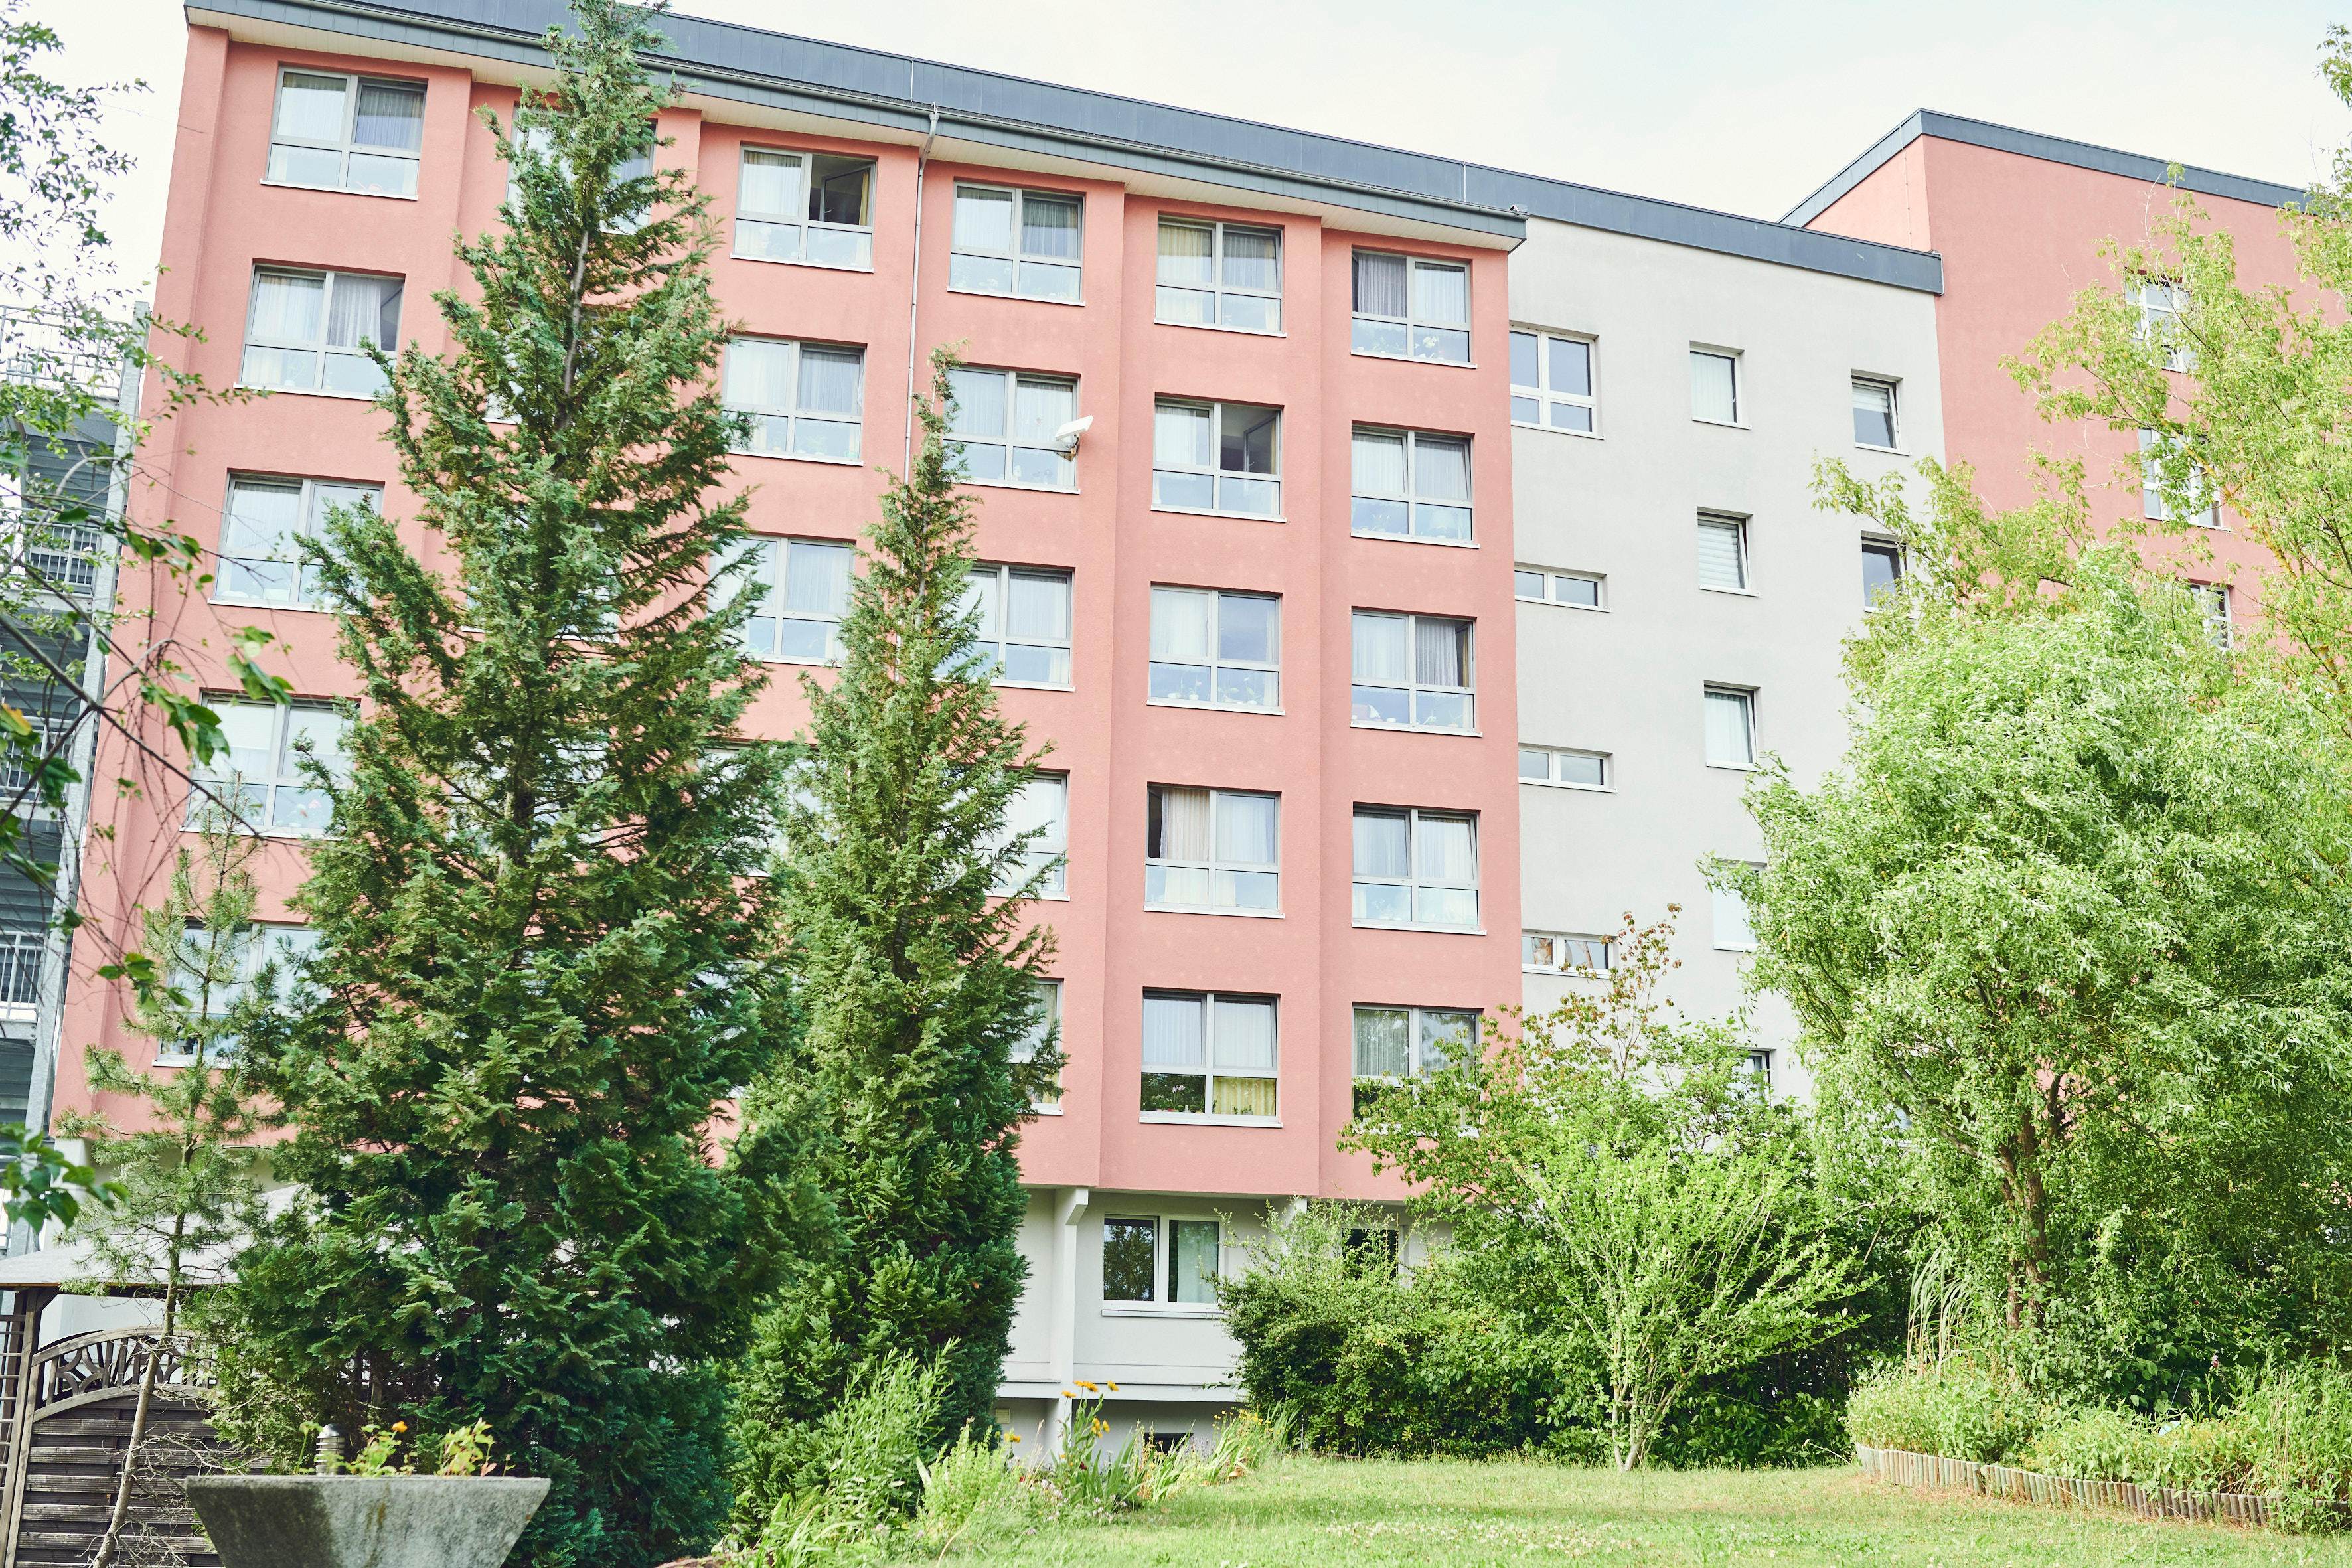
(111, 1542)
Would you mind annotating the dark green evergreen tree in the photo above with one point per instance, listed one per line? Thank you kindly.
(918, 970)
(544, 940)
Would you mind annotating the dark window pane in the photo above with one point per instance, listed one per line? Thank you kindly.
(1179, 1092)
(1128, 1247)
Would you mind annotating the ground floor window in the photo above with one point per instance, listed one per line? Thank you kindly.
(1153, 1258)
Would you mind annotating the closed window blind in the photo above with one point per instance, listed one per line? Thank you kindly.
(1722, 559)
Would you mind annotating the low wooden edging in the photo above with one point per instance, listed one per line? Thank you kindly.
(1908, 1469)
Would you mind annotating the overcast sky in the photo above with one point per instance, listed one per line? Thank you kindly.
(1744, 107)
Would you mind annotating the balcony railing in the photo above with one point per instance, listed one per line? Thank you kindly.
(48, 350)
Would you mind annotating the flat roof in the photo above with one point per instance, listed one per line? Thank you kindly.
(896, 95)
(2031, 144)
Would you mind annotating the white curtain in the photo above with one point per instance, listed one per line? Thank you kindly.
(1727, 740)
(1441, 468)
(1381, 1040)
(1180, 825)
(286, 308)
(1712, 394)
(1039, 804)
(1245, 828)
(1377, 462)
(1441, 651)
(1179, 625)
(364, 308)
(1378, 648)
(392, 116)
(1379, 284)
(1042, 408)
(831, 382)
(1441, 294)
(817, 578)
(1180, 437)
(1184, 254)
(1172, 1032)
(1049, 226)
(262, 519)
(758, 375)
(1381, 847)
(979, 402)
(310, 107)
(1447, 1039)
(771, 186)
(1039, 610)
(1253, 259)
(1245, 1035)
(1445, 852)
(984, 220)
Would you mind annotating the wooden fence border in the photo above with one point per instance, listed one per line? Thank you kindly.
(1903, 1468)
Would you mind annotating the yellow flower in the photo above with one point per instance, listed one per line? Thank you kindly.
(400, 1425)
(1113, 1388)
(1012, 1437)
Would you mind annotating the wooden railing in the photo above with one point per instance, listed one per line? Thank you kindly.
(1908, 1470)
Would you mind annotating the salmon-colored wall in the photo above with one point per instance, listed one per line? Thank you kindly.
(222, 220)
(2019, 237)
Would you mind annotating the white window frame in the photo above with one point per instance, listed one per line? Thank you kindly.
(2153, 505)
(1413, 685)
(859, 236)
(1055, 846)
(1872, 544)
(1414, 881)
(1719, 520)
(1024, 1050)
(1001, 574)
(347, 146)
(2161, 303)
(1893, 390)
(1066, 463)
(778, 583)
(1411, 498)
(1218, 663)
(258, 813)
(1548, 591)
(1727, 907)
(1215, 473)
(1209, 1115)
(791, 415)
(262, 942)
(2212, 601)
(1747, 698)
(1733, 357)
(1760, 1064)
(318, 348)
(1210, 867)
(1421, 1064)
(310, 509)
(1218, 289)
(1163, 1268)
(1411, 321)
(1018, 258)
(1534, 406)
(1554, 757)
(1564, 953)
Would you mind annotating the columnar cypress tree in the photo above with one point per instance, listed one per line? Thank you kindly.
(543, 940)
(918, 982)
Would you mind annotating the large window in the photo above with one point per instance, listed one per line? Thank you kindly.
(1216, 648)
(1873, 413)
(1208, 1054)
(1048, 1097)
(309, 331)
(262, 533)
(1551, 382)
(1730, 727)
(1219, 275)
(1393, 1044)
(1882, 568)
(1722, 554)
(1414, 670)
(1410, 307)
(804, 206)
(805, 400)
(1043, 804)
(1570, 770)
(639, 164)
(1555, 952)
(1015, 242)
(1581, 590)
(1416, 868)
(1024, 623)
(1003, 427)
(346, 132)
(1213, 848)
(807, 581)
(1410, 484)
(216, 970)
(1714, 386)
(1216, 457)
(1149, 1258)
(261, 780)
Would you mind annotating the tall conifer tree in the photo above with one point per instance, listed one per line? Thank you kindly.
(918, 968)
(543, 935)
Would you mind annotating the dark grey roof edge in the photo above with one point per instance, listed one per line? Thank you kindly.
(2033, 144)
(753, 65)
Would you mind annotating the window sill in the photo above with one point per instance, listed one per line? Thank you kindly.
(1416, 359)
(337, 190)
(1218, 327)
(1416, 539)
(802, 663)
(1567, 974)
(1187, 1119)
(1017, 299)
(176, 1058)
(1211, 910)
(1211, 707)
(228, 602)
(1735, 593)
(1029, 686)
(1413, 728)
(309, 391)
(800, 458)
(1882, 451)
(289, 835)
(1720, 948)
(1721, 424)
(1037, 1109)
(1156, 1310)
(1009, 485)
(1557, 430)
(1398, 925)
(1204, 511)
(1556, 784)
(1734, 767)
(813, 266)
(1555, 603)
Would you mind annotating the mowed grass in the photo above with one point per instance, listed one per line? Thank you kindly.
(1307, 1512)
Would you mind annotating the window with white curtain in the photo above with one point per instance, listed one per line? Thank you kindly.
(1569, 770)
(1732, 930)
(1555, 952)
(798, 620)
(1722, 553)
(1873, 413)
(262, 531)
(1410, 484)
(260, 782)
(1213, 848)
(1216, 457)
(1414, 670)
(1215, 649)
(1416, 868)
(1002, 428)
(1551, 382)
(1393, 1044)
(1209, 1054)
(1048, 1098)
(1024, 623)
(1730, 727)
(346, 133)
(811, 208)
(1172, 1262)
(1219, 275)
(2159, 500)
(2161, 305)
(1714, 386)
(1410, 307)
(1024, 243)
(1581, 590)
(218, 969)
(805, 400)
(309, 331)
(1043, 804)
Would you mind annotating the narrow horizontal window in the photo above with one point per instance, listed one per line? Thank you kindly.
(1557, 953)
(1217, 456)
(803, 400)
(1409, 307)
(1209, 1054)
(812, 207)
(1416, 868)
(1219, 275)
(263, 530)
(1219, 649)
(1580, 589)
(1551, 382)
(346, 132)
(1004, 424)
(798, 619)
(1213, 848)
(1714, 386)
(1023, 243)
(1722, 553)
(311, 332)
(1575, 770)
(1024, 623)
(1410, 484)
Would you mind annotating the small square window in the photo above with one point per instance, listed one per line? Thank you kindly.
(311, 332)
(1216, 457)
(1022, 243)
(1873, 413)
(809, 207)
(1722, 554)
(1024, 623)
(262, 536)
(1411, 671)
(1882, 568)
(1714, 386)
(1394, 1044)
(1410, 484)
(1219, 275)
(262, 782)
(803, 400)
(798, 619)
(1002, 428)
(1551, 382)
(1215, 649)
(1730, 727)
(1209, 1054)
(1213, 848)
(1416, 868)
(1411, 306)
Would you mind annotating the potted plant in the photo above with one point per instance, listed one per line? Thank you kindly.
(370, 1513)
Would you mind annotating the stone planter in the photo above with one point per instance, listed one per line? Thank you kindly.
(364, 1521)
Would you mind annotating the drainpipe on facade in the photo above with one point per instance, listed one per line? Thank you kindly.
(1062, 1323)
(915, 297)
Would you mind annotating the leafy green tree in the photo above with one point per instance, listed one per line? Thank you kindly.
(544, 940)
(1658, 1213)
(905, 898)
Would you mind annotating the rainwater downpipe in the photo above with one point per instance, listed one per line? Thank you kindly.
(915, 297)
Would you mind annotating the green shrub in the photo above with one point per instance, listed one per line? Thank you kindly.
(1960, 1409)
(974, 1493)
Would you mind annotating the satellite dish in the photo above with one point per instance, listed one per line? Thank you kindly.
(1066, 439)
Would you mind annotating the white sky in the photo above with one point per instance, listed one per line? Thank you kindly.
(1741, 107)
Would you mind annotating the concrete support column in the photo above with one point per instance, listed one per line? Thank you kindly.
(1062, 1331)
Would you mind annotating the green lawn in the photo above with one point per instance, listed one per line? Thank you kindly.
(1307, 1512)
